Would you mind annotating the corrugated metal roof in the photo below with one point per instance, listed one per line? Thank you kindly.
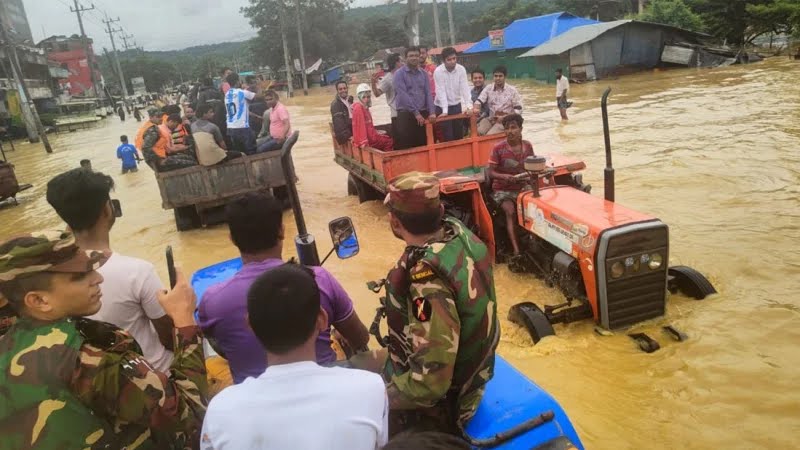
(583, 34)
(573, 38)
(458, 47)
(533, 31)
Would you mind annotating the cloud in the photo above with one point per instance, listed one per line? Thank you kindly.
(155, 24)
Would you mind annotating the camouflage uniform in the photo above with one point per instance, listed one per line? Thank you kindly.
(77, 383)
(442, 319)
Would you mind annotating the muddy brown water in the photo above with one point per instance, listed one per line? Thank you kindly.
(714, 153)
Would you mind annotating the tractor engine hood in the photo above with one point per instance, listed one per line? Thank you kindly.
(570, 219)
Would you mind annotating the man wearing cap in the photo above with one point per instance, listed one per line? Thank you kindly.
(364, 132)
(440, 310)
(70, 382)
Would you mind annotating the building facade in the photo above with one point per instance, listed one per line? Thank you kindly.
(16, 21)
(71, 54)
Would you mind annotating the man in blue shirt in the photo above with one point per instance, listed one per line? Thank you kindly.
(128, 154)
(414, 102)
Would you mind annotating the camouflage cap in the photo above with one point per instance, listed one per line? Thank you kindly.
(46, 251)
(153, 111)
(413, 192)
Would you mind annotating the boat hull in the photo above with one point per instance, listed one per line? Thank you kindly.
(510, 398)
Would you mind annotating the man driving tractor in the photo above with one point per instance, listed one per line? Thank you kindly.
(506, 164)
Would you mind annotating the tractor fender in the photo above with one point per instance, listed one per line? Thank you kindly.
(689, 281)
(530, 316)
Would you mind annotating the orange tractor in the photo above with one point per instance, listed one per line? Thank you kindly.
(611, 262)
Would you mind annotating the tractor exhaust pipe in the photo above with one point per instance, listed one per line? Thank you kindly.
(608, 173)
(304, 241)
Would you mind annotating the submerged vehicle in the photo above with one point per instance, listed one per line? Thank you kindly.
(195, 193)
(9, 186)
(514, 413)
(610, 262)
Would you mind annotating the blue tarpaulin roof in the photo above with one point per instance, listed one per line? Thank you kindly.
(533, 31)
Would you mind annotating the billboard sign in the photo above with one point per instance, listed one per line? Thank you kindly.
(497, 38)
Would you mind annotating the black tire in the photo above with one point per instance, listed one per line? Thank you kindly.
(352, 185)
(366, 192)
(186, 218)
(281, 193)
(530, 316)
(690, 282)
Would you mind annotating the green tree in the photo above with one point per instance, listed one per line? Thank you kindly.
(781, 16)
(596, 9)
(738, 22)
(502, 15)
(379, 33)
(672, 12)
(323, 33)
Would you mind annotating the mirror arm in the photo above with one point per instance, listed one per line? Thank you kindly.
(328, 255)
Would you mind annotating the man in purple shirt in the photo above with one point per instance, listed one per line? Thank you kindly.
(256, 228)
(414, 102)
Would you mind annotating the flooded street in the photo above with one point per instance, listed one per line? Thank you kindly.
(713, 153)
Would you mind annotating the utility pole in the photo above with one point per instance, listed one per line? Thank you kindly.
(32, 123)
(286, 57)
(108, 21)
(125, 38)
(302, 51)
(412, 22)
(436, 29)
(450, 22)
(89, 57)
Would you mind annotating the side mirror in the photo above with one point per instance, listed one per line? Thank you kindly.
(343, 235)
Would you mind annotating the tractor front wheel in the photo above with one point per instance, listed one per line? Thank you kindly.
(690, 282)
(530, 316)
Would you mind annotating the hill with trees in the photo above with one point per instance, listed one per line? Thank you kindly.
(334, 31)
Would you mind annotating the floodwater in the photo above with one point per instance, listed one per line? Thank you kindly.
(713, 153)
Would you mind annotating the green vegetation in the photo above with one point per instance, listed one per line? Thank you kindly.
(335, 32)
(672, 12)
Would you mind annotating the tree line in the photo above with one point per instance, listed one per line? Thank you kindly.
(334, 31)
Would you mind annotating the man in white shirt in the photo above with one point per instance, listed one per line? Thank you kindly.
(295, 403)
(562, 89)
(131, 285)
(386, 85)
(452, 90)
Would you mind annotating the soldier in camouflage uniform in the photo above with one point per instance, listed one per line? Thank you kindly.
(67, 382)
(441, 312)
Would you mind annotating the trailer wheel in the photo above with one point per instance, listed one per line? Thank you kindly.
(690, 282)
(352, 185)
(186, 218)
(530, 316)
(281, 193)
(366, 192)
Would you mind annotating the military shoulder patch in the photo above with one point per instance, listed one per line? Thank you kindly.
(421, 273)
(422, 309)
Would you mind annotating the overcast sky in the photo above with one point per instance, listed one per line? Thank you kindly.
(155, 24)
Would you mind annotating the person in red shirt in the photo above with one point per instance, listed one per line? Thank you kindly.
(364, 132)
(505, 163)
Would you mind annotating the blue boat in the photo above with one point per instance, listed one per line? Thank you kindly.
(511, 399)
